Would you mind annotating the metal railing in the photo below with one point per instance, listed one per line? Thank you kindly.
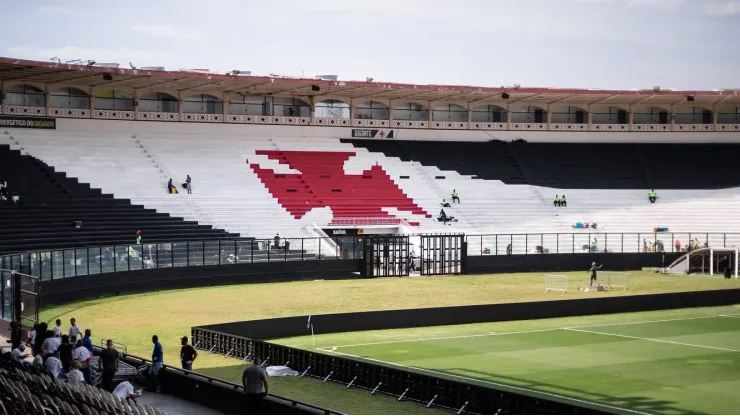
(594, 241)
(71, 262)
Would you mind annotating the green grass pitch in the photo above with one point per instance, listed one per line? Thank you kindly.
(563, 362)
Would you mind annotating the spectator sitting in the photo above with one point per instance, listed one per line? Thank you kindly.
(455, 198)
(126, 391)
(19, 354)
(75, 376)
(38, 360)
(171, 188)
(556, 201)
(54, 364)
(444, 204)
(563, 202)
(652, 196)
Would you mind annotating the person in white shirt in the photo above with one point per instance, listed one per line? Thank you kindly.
(32, 337)
(54, 365)
(38, 360)
(74, 331)
(51, 344)
(58, 329)
(18, 354)
(82, 356)
(125, 391)
(75, 375)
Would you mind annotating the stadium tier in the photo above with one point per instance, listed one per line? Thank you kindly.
(262, 186)
(52, 205)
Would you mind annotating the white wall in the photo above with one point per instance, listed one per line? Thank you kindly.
(252, 130)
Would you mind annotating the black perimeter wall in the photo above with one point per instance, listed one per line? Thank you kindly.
(72, 289)
(266, 329)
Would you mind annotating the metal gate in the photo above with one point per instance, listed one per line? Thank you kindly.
(385, 256)
(441, 254)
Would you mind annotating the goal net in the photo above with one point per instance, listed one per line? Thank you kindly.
(617, 280)
(556, 283)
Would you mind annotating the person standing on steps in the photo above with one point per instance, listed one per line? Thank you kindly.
(138, 237)
(188, 180)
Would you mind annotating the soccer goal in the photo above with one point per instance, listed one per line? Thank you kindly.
(556, 283)
(617, 280)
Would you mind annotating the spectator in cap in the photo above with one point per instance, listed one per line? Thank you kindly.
(187, 354)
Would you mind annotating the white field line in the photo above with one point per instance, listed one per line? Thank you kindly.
(651, 339)
(491, 383)
(730, 316)
(334, 348)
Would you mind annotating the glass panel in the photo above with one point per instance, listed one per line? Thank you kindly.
(164, 255)
(69, 263)
(45, 264)
(195, 256)
(244, 250)
(180, 254)
(122, 258)
(57, 264)
(107, 259)
(34, 260)
(149, 252)
(93, 260)
(228, 252)
(81, 262)
(7, 292)
(211, 253)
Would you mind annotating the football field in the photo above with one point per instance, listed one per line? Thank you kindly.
(668, 362)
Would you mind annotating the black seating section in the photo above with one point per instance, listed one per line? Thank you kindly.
(52, 203)
(577, 165)
(33, 392)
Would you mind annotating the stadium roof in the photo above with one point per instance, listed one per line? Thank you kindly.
(201, 81)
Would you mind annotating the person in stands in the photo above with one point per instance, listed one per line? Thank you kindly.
(138, 237)
(652, 196)
(53, 364)
(556, 201)
(87, 341)
(188, 181)
(187, 354)
(108, 365)
(58, 329)
(16, 334)
(74, 330)
(563, 202)
(157, 362)
(126, 391)
(444, 204)
(84, 358)
(455, 198)
(18, 355)
(65, 353)
(678, 246)
(254, 380)
(276, 240)
(51, 343)
(75, 376)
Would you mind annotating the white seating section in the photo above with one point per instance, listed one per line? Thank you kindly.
(228, 195)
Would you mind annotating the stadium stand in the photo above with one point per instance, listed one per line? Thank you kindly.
(23, 391)
(52, 203)
(242, 184)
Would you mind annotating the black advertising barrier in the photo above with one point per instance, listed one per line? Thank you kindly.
(14, 122)
(243, 339)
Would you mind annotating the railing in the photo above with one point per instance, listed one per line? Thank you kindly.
(593, 241)
(355, 221)
(71, 262)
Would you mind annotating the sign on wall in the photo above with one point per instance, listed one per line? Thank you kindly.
(28, 122)
(372, 133)
(341, 232)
